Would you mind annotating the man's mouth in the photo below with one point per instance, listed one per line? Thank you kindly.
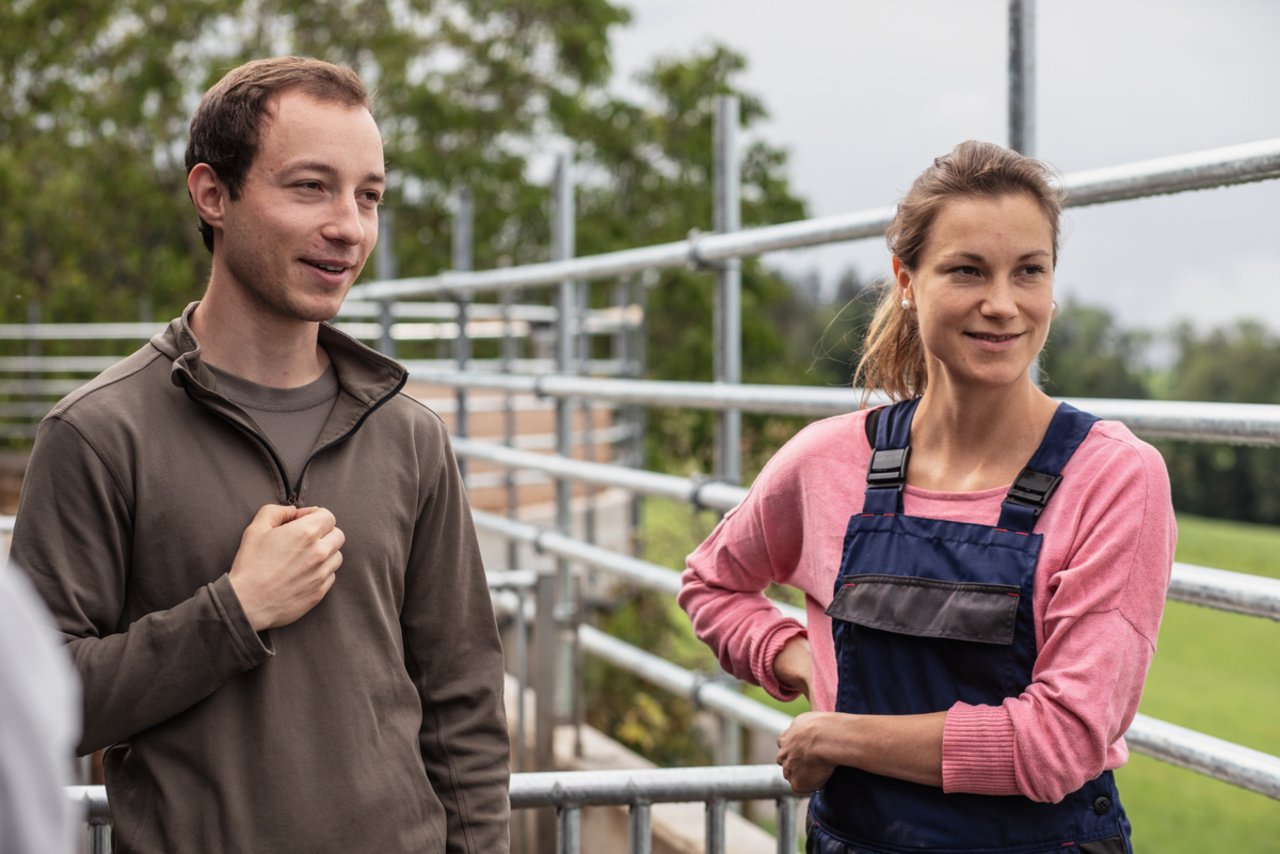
(328, 268)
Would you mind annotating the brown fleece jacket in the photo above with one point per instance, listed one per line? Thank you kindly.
(372, 724)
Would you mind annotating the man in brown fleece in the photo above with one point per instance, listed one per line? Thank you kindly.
(258, 549)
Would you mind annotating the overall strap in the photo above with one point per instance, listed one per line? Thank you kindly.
(1033, 487)
(891, 449)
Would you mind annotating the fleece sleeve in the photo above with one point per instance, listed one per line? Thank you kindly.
(73, 538)
(455, 659)
(722, 588)
(1099, 631)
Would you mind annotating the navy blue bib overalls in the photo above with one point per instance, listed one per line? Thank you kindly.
(929, 612)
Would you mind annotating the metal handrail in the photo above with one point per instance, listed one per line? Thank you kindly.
(569, 791)
(1199, 421)
(1235, 164)
(1237, 592)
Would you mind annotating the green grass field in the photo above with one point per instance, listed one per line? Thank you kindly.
(1218, 673)
(1214, 672)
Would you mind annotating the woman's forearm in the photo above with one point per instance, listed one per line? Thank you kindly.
(905, 747)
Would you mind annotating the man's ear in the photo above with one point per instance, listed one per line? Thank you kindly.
(208, 194)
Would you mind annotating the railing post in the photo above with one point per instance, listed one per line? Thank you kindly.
(570, 829)
(715, 825)
(385, 268)
(641, 828)
(546, 639)
(509, 420)
(1022, 76)
(1022, 90)
(786, 826)
(728, 303)
(585, 409)
(100, 837)
(562, 235)
(463, 256)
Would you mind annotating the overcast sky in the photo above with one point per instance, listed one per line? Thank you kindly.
(864, 94)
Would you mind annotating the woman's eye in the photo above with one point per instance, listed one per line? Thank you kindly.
(1032, 270)
(965, 270)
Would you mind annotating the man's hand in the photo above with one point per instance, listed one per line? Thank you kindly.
(793, 666)
(286, 563)
(799, 754)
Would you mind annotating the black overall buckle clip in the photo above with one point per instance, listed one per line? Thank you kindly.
(1033, 489)
(888, 469)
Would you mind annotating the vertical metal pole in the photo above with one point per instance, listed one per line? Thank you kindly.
(100, 837)
(728, 333)
(715, 826)
(641, 829)
(562, 240)
(728, 323)
(1022, 76)
(35, 380)
(522, 679)
(509, 421)
(624, 353)
(570, 829)
(786, 825)
(463, 256)
(385, 269)
(585, 410)
(546, 639)
(1022, 91)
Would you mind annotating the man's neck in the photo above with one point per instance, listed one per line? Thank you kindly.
(253, 344)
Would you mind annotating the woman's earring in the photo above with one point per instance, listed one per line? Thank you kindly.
(906, 304)
(1055, 308)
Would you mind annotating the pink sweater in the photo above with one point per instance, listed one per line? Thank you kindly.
(1099, 595)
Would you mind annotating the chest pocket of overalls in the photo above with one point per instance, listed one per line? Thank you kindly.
(929, 608)
(915, 629)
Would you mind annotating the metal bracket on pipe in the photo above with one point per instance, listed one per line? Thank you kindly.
(700, 681)
(536, 542)
(538, 391)
(700, 482)
(696, 261)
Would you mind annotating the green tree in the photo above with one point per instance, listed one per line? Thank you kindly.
(1089, 355)
(95, 98)
(648, 178)
(1235, 364)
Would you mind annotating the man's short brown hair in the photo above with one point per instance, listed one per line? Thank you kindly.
(227, 126)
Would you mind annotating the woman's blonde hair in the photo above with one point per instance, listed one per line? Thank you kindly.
(893, 358)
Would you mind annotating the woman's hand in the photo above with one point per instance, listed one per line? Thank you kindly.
(799, 753)
(793, 666)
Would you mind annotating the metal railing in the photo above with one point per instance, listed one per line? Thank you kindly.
(571, 791)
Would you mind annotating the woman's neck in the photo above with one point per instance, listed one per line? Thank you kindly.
(964, 442)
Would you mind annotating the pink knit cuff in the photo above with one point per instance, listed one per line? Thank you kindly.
(977, 751)
(769, 649)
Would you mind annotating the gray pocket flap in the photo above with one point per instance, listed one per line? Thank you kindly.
(926, 607)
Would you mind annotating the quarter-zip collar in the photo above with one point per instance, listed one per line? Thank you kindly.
(366, 380)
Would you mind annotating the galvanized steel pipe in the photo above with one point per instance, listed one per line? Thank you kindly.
(718, 698)
(647, 786)
(1223, 760)
(1235, 164)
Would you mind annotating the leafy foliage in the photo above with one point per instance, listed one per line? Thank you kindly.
(1237, 364)
(95, 98)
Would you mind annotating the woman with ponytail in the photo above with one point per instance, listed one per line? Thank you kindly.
(984, 568)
